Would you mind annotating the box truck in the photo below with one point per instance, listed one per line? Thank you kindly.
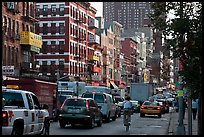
(141, 91)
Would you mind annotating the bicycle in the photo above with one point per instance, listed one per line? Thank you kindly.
(127, 118)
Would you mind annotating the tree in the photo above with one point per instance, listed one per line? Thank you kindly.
(185, 41)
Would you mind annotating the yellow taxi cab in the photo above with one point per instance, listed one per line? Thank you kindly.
(150, 108)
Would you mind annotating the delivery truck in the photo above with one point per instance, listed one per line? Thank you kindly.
(141, 91)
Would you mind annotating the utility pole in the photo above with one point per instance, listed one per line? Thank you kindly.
(180, 129)
(189, 114)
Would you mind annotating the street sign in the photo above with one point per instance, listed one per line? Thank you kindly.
(7, 70)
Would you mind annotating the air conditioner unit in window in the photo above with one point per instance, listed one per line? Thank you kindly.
(10, 5)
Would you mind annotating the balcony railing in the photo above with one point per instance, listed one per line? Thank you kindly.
(93, 39)
(93, 23)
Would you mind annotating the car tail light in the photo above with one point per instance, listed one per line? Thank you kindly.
(142, 107)
(4, 119)
(61, 110)
(87, 105)
(158, 107)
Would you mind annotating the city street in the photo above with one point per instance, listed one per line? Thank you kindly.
(149, 125)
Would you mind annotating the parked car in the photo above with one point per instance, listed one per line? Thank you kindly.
(120, 104)
(77, 110)
(150, 108)
(136, 106)
(106, 101)
(118, 99)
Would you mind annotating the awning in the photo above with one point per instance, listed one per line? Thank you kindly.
(113, 85)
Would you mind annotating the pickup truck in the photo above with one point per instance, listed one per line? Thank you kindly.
(22, 113)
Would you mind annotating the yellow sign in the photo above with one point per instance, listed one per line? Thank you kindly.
(29, 38)
(180, 93)
(12, 86)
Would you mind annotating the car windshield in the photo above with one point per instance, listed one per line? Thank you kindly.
(147, 103)
(75, 102)
(99, 98)
(155, 104)
(88, 95)
(118, 99)
(13, 99)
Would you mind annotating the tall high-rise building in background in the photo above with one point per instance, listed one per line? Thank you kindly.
(129, 14)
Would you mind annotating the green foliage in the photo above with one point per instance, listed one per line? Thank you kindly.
(186, 37)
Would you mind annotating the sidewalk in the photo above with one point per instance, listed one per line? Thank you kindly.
(174, 116)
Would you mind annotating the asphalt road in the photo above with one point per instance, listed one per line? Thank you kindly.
(149, 125)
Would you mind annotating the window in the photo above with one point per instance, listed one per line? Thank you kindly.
(44, 47)
(61, 65)
(45, 10)
(31, 10)
(45, 28)
(27, 28)
(37, 13)
(23, 26)
(53, 28)
(13, 99)
(9, 26)
(61, 27)
(61, 47)
(31, 29)
(13, 28)
(12, 56)
(17, 27)
(53, 43)
(71, 31)
(30, 103)
(53, 50)
(53, 8)
(36, 102)
(61, 8)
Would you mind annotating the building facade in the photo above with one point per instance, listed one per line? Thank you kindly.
(18, 22)
(69, 40)
(129, 14)
(129, 49)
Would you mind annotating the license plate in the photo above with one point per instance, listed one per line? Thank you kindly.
(150, 108)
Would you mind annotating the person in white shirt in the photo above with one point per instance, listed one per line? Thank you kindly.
(194, 108)
(127, 106)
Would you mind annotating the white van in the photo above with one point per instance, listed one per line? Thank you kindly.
(106, 101)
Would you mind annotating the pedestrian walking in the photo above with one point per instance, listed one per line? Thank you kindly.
(194, 108)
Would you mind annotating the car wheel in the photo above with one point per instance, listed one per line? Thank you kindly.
(114, 117)
(99, 123)
(142, 115)
(91, 123)
(159, 115)
(62, 124)
(108, 118)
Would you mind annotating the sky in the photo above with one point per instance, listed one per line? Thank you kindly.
(99, 7)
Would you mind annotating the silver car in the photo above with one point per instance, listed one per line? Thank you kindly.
(108, 107)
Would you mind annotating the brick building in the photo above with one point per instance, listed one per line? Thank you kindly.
(18, 17)
(69, 40)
